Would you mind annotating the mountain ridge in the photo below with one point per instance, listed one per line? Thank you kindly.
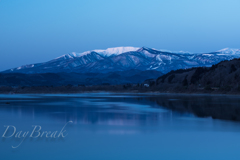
(127, 58)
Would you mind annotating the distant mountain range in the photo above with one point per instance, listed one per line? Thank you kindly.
(119, 65)
(127, 58)
(223, 78)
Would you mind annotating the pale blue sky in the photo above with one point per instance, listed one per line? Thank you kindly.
(39, 30)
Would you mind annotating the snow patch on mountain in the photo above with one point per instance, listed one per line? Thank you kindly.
(105, 53)
(229, 51)
(115, 51)
(148, 54)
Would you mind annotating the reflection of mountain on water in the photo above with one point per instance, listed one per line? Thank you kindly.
(87, 110)
(120, 110)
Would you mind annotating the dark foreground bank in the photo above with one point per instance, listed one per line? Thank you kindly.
(127, 88)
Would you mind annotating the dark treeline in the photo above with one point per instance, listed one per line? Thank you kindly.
(223, 78)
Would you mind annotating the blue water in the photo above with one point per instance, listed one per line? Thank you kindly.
(118, 127)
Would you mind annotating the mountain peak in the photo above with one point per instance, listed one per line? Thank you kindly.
(229, 51)
(115, 51)
(105, 53)
(144, 48)
(110, 51)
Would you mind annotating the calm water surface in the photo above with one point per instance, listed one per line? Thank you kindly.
(122, 126)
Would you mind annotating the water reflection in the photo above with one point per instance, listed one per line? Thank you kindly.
(119, 109)
(118, 126)
(217, 107)
(113, 110)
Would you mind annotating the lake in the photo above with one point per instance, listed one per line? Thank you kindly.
(108, 126)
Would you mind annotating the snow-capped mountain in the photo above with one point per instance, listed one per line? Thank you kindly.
(115, 51)
(127, 58)
(229, 51)
(104, 53)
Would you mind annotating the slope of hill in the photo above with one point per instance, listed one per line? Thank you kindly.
(223, 77)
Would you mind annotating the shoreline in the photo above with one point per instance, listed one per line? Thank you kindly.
(129, 92)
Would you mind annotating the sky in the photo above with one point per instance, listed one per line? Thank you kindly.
(33, 31)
